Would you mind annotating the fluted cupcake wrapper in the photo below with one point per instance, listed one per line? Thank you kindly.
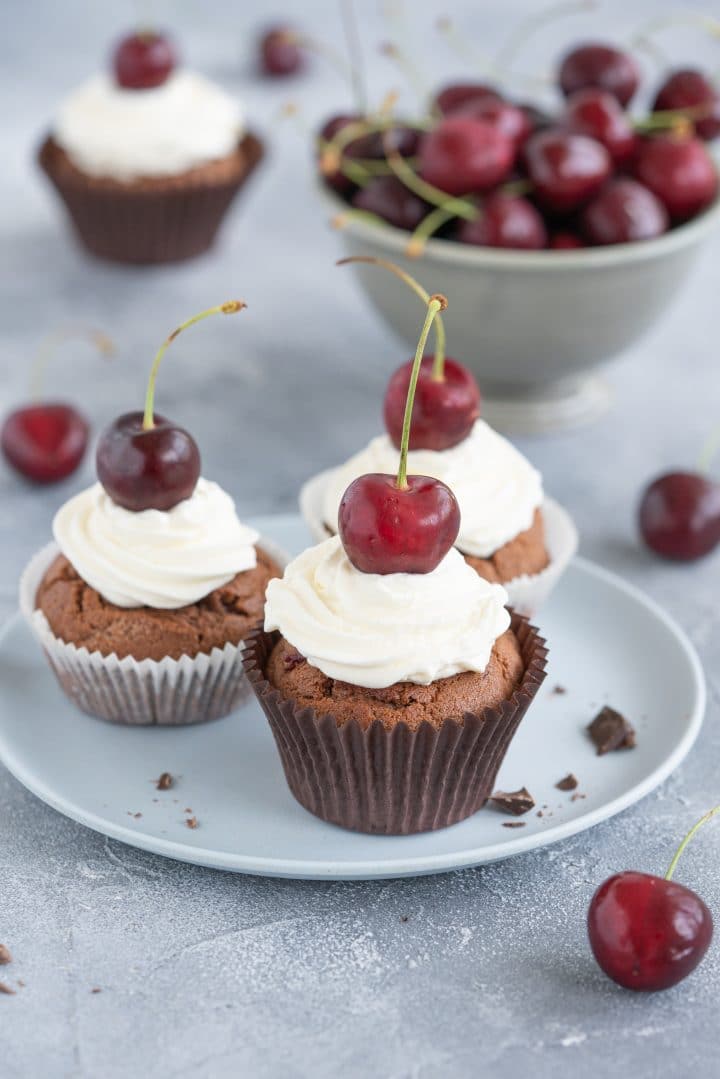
(393, 781)
(166, 223)
(168, 692)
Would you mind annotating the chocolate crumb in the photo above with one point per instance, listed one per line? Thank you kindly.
(21, 983)
(5, 988)
(610, 731)
(137, 816)
(559, 691)
(515, 802)
(96, 989)
(192, 822)
(568, 783)
(164, 782)
(513, 824)
(292, 660)
(539, 813)
(5, 956)
(404, 917)
(577, 796)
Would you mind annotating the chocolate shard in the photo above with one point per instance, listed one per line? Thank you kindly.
(513, 824)
(192, 822)
(559, 691)
(567, 783)
(610, 731)
(515, 802)
(5, 956)
(164, 781)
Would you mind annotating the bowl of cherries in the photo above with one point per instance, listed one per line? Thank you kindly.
(562, 235)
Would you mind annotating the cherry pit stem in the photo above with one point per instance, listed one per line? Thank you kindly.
(51, 343)
(229, 308)
(698, 824)
(438, 371)
(436, 303)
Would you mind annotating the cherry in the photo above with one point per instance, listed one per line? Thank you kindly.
(598, 114)
(145, 461)
(565, 241)
(692, 90)
(374, 145)
(566, 169)
(602, 67)
(679, 171)
(457, 94)
(509, 119)
(646, 932)
(280, 54)
(391, 200)
(679, 515)
(446, 398)
(462, 155)
(45, 442)
(403, 524)
(505, 221)
(144, 60)
(622, 213)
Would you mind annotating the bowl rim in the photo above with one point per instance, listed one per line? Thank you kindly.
(450, 251)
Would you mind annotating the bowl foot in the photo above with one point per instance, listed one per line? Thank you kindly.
(536, 410)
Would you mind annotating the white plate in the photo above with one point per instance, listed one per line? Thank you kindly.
(608, 644)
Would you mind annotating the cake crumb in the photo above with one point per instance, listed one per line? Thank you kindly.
(559, 691)
(515, 802)
(5, 956)
(577, 796)
(610, 730)
(192, 822)
(96, 989)
(164, 781)
(513, 824)
(567, 783)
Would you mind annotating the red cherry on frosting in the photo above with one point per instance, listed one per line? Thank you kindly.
(462, 155)
(679, 515)
(45, 442)
(280, 54)
(566, 169)
(679, 171)
(142, 61)
(692, 90)
(444, 411)
(602, 67)
(624, 212)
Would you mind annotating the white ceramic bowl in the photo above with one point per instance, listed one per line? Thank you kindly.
(533, 325)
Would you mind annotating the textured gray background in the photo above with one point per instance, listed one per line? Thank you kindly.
(207, 975)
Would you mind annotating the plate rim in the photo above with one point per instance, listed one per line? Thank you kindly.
(395, 867)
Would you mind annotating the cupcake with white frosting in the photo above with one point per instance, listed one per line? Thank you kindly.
(148, 156)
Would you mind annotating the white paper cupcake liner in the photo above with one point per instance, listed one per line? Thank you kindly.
(527, 593)
(168, 692)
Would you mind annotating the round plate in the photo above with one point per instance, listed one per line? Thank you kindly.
(608, 645)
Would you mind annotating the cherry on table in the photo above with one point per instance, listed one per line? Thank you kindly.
(624, 212)
(679, 516)
(680, 171)
(280, 53)
(602, 67)
(690, 89)
(505, 220)
(144, 60)
(461, 155)
(145, 461)
(598, 114)
(45, 442)
(457, 94)
(566, 169)
(391, 200)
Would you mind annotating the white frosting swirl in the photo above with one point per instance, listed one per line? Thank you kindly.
(497, 488)
(155, 558)
(372, 630)
(107, 130)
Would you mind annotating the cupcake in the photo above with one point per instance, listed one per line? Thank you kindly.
(392, 674)
(148, 157)
(144, 600)
(510, 533)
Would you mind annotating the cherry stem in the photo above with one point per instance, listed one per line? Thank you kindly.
(709, 451)
(438, 371)
(437, 303)
(674, 120)
(676, 858)
(506, 55)
(352, 40)
(343, 68)
(459, 45)
(706, 23)
(425, 230)
(50, 344)
(428, 192)
(229, 308)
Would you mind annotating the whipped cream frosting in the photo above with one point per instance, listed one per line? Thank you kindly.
(108, 130)
(155, 558)
(497, 488)
(373, 630)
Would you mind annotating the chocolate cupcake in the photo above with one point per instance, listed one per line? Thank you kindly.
(148, 158)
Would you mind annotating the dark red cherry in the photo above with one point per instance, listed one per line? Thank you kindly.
(142, 61)
(598, 114)
(391, 200)
(565, 241)
(602, 67)
(388, 529)
(680, 171)
(624, 212)
(45, 442)
(444, 411)
(691, 89)
(505, 221)
(143, 469)
(280, 54)
(462, 155)
(509, 119)
(646, 932)
(679, 516)
(457, 94)
(566, 169)
(377, 144)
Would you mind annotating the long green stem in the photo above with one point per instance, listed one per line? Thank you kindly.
(431, 194)
(506, 55)
(53, 340)
(703, 820)
(440, 337)
(229, 308)
(427, 228)
(437, 303)
(709, 451)
(352, 41)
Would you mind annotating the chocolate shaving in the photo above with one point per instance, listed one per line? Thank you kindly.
(5, 956)
(610, 731)
(559, 691)
(292, 660)
(513, 824)
(192, 822)
(568, 783)
(515, 802)
(5, 988)
(164, 781)
(96, 989)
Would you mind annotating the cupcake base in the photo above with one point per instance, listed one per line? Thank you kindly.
(152, 220)
(397, 781)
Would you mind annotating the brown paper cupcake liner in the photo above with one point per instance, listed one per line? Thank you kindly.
(397, 781)
(160, 222)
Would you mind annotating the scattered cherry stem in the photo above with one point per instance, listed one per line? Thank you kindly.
(53, 340)
(228, 308)
(703, 820)
(437, 303)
